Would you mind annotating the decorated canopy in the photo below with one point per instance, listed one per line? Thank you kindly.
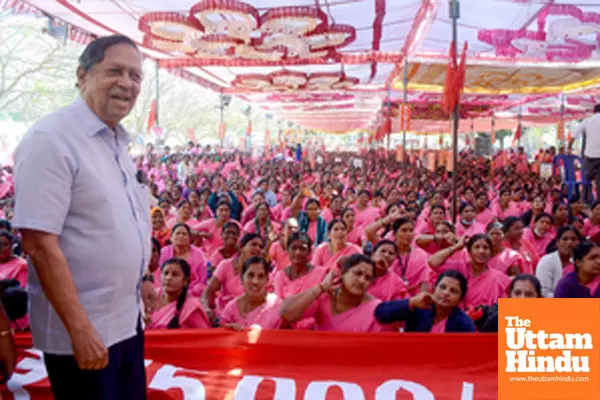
(336, 65)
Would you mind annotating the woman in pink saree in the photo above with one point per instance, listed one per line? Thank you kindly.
(328, 254)
(262, 223)
(365, 213)
(354, 233)
(11, 267)
(184, 214)
(339, 303)
(256, 307)
(230, 235)
(468, 225)
(278, 253)
(210, 230)
(387, 285)
(181, 247)
(483, 213)
(540, 236)
(226, 283)
(503, 258)
(513, 232)
(486, 285)
(504, 207)
(591, 225)
(176, 309)
(299, 275)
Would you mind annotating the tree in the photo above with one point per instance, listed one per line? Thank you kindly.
(501, 134)
(37, 72)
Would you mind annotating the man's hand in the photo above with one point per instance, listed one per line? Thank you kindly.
(149, 297)
(89, 350)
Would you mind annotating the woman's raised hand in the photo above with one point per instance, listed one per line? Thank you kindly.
(423, 300)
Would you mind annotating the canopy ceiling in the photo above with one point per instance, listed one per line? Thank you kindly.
(330, 64)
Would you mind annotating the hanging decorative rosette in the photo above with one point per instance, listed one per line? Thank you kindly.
(234, 29)
(286, 80)
(309, 97)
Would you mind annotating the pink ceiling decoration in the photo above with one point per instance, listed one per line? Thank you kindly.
(309, 97)
(572, 35)
(286, 80)
(231, 29)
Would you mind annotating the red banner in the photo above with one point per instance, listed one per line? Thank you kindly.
(296, 365)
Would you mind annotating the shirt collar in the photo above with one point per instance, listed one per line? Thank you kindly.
(92, 125)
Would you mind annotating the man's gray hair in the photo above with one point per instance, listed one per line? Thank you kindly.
(95, 51)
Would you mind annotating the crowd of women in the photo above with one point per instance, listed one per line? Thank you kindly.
(331, 244)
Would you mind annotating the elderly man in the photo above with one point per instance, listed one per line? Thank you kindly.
(85, 226)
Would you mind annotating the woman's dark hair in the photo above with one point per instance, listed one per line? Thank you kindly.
(222, 203)
(509, 222)
(476, 238)
(399, 222)
(582, 250)
(465, 205)
(187, 272)
(595, 204)
(355, 259)
(255, 260)
(346, 211)
(14, 298)
(449, 225)
(364, 191)
(454, 274)
(385, 242)
(248, 237)
(441, 207)
(301, 236)
(336, 221)
(96, 50)
(312, 201)
(494, 225)
(179, 225)
(182, 203)
(535, 282)
(230, 224)
(556, 205)
(553, 245)
(156, 244)
(544, 215)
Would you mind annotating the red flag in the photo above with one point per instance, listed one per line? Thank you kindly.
(222, 130)
(455, 80)
(249, 128)
(192, 134)
(468, 140)
(151, 116)
(517, 136)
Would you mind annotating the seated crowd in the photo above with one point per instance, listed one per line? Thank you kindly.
(283, 244)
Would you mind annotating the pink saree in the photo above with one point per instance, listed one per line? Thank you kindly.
(231, 284)
(266, 316)
(487, 288)
(412, 269)
(192, 316)
(15, 269)
(359, 319)
(388, 287)
(284, 288)
(506, 259)
(197, 261)
(322, 257)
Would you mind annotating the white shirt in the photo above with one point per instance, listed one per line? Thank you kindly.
(591, 126)
(75, 179)
(549, 271)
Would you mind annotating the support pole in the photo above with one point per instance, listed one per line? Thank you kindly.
(388, 115)
(455, 15)
(157, 94)
(404, 105)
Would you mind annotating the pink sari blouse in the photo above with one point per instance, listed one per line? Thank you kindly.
(358, 319)
(15, 269)
(192, 315)
(266, 316)
(506, 259)
(322, 257)
(197, 261)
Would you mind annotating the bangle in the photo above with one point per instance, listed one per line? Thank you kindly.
(7, 332)
(148, 278)
(321, 289)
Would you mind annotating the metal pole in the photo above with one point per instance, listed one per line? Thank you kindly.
(157, 94)
(454, 14)
(404, 105)
(388, 112)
